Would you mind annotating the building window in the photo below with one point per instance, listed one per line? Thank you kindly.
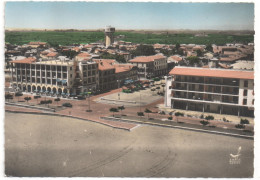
(253, 101)
(245, 83)
(245, 92)
(244, 101)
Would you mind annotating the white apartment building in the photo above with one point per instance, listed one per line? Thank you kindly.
(54, 76)
(211, 90)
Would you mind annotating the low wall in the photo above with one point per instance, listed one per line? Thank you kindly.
(31, 107)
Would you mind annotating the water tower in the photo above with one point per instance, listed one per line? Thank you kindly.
(109, 32)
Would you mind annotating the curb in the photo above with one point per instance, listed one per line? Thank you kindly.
(61, 115)
(180, 127)
(28, 106)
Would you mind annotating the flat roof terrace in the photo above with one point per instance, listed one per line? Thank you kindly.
(222, 73)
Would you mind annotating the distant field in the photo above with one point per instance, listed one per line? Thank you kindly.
(67, 38)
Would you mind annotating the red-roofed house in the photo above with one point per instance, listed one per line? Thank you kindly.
(52, 55)
(125, 71)
(107, 76)
(28, 60)
(211, 90)
(83, 56)
(37, 44)
(150, 66)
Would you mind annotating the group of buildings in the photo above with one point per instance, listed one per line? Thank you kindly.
(69, 76)
(212, 86)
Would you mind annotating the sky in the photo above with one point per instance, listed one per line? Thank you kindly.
(129, 15)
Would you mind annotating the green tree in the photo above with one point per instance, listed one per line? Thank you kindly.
(180, 52)
(148, 111)
(27, 99)
(166, 52)
(143, 50)
(209, 48)
(177, 47)
(37, 97)
(123, 48)
(244, 121)
(240, 126)
(57, 100)
(199, 53)
(121, 108)
(113, 110)
(18, 94)
(70, 54)
(158, 88)
(8, 96)
(140, 114)
(209, 117)
(117, 57)
(204, 123)
(152, 89)
(48, 102)
(193, 60)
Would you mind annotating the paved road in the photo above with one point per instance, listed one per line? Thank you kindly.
(38, 145)
(181, 123)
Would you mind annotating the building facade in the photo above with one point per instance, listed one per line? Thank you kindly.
(211, 90)
(150, 66)
(125, 72)
(55, 76)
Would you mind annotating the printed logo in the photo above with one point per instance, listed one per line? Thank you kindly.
(235, 158)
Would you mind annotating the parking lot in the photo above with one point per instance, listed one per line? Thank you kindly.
(141, 97)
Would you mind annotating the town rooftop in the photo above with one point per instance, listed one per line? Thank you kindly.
(222, 73)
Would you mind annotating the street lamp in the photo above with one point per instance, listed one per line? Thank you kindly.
(118, 81)
(89, 110)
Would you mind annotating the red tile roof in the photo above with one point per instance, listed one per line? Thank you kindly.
(88, 46)
(103, 66)
(144, 59)
(212, 73)
(83, 55)
(52, 54)
(176, 58)
(37, 43)
(44, 52)
(28, 60)
(122, 68)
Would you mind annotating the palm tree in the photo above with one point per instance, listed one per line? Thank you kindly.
(37, 97)
(113, 110)
(152, 89)
(121, 108)
(18, 94)
(163, 85)
(147, 111)
(158, 88)
(48, 102)
(57, 100)
(8, 96)
(140, 114)
(27, 99)
(204, 123)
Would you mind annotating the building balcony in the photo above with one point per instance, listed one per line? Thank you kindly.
(214, 83)
(205, 100)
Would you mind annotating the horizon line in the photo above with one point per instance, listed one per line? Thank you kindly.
(127, 29)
